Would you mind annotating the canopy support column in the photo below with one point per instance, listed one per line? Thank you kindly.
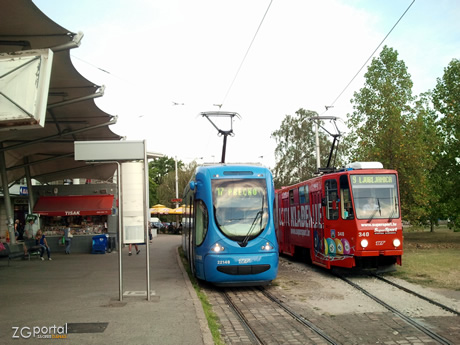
(6, 197)
(29, 185)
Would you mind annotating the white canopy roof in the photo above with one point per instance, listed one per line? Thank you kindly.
(49, 151)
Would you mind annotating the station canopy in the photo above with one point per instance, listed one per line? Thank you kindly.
(71, 115)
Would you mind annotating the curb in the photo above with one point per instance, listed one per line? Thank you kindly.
(205, 331)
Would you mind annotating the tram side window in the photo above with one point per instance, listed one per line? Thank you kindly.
(291, 197)
(332, 211)
(201, 222)
(345, 198)
(303, 195)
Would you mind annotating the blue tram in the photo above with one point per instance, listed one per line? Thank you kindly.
(229, 235)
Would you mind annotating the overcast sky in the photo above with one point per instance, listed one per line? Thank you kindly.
(151, 53)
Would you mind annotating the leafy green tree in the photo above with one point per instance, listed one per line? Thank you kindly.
(446, 100)
(381, 109)
(158, 169)
(295, 152)
(385, 127)
(167, 190)
(420, 155)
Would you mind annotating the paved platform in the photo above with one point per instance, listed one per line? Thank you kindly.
(82, 292)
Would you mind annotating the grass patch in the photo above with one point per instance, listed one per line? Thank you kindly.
(431, 258)
(213, 320)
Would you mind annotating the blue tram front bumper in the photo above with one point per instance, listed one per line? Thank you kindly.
(257, 268)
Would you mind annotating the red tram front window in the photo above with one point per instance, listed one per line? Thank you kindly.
(375, 196)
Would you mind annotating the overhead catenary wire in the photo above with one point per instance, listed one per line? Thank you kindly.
(96, 67)
(245, 55)
(365, 63)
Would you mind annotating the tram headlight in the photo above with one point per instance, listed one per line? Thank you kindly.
(396, 242)
(267, 246)
(217, 248)
(364, 243)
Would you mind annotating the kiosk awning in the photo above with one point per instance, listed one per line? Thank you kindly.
(74, 205)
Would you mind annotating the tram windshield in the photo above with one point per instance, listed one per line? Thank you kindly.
(240, 207)
(375, 196)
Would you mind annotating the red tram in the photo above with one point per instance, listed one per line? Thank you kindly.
(345, 218)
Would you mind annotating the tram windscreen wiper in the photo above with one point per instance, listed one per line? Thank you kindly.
(393, 210)
(377, 209)
(259, 213)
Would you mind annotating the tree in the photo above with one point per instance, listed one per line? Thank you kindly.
(422, 151)
(295, 152)
(385, 127)
(381, 109)
(446, 100)
(158, 169)
(167, 190)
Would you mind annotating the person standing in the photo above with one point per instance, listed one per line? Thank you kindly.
(135, 246)
(68, 238)
(29, 229)
(40, 240)
(16, 229)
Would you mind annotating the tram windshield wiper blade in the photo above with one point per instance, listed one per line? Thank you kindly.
(259, 213)
(375, 211)
(393, 211)
(244, 242)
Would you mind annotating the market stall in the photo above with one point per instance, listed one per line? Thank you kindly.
(86, 215)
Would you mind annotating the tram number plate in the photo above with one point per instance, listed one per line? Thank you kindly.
(223, 262)
(244, 261)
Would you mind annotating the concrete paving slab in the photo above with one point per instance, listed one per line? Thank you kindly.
(82, 291)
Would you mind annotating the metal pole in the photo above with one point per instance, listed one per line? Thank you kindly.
(224, 148)
(318, 161)
(146, 219)
(177, 183)
(318, 118)
(120, 232)
(6, 197)
(29, 185)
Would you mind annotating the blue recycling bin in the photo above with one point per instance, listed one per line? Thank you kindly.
(99, 244)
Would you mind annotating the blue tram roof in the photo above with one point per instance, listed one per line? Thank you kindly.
(232, 169)
(232, 164)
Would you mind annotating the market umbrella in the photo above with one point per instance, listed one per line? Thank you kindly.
(178, 210)
(160, 209)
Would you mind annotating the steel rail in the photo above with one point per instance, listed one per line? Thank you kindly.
(298, 317)
(409, 320)
(442, 306)
(251, 332)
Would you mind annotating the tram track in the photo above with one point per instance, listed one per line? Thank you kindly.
(429, 300)
(334, 307)
(397, 312)
(311, 334)
(252, 333)
(298, 317)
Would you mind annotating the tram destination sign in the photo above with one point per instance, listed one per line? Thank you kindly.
(373, 179)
